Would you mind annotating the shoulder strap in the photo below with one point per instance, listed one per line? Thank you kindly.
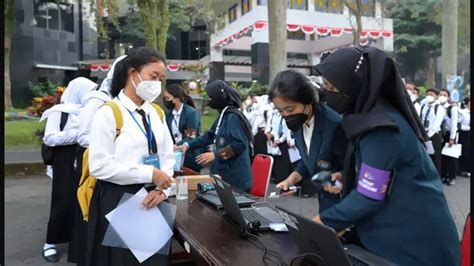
(436, 109)
(117, 116)
(421, 110)
(64, 117)
(448, 110)
(158, 109)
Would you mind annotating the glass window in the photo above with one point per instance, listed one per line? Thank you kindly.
(335, 6)
(298, 4)
(295, 35)
(246, 6)
(233, 13)
(321, 5)
(67, 17)
(262, 2)
(368, 8)
(53, 14)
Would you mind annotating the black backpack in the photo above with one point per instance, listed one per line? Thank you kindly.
(47, 152)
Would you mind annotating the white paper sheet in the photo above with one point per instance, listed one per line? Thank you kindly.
(272, 150)
(145, 232)
(429, 147)
(453, 151)
(294, 154)
(49, 171)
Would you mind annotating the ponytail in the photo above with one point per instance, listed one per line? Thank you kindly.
(119, 78)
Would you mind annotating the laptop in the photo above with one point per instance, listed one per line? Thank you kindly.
(323, 241)
(243, 216)
(212, 198)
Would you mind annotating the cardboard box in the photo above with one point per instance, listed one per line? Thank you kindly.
(193, 180)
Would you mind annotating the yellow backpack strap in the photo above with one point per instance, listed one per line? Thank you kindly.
(117, 116)
(160, 111)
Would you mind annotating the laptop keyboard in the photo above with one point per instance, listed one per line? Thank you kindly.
(356, 262)
(251, 215)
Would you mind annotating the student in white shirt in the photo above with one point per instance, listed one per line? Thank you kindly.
(432, 116)
(449, 164)
(414, 93)
(261, 110)
(61, 134)
(91, 103)
(465, 138)
(140, 156)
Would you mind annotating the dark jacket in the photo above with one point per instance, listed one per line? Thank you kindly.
(412, 225)
(237, 169)
(189, 119)
(326, 151)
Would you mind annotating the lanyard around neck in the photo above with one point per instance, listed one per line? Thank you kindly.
(147, 136)
(219, 123)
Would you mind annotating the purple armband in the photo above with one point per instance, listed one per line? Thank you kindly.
(373, 183)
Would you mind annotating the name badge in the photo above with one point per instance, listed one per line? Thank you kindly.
(373, 183)
(152, 159)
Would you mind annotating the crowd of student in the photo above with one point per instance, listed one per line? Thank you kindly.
(446, 122)
(362, 127)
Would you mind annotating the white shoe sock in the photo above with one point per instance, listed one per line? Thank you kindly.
(50, 251)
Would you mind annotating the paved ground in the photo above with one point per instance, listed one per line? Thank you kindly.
(27, 206)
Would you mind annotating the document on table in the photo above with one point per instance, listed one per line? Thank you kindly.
(453, 151)
(294, 154)
(144, 232)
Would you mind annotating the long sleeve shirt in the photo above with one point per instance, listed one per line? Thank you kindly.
(465, 117)
(53, 136)
(120, 160)
(434, 121)
(91, 106)
(451, 123)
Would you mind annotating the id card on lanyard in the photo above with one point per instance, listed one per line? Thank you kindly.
(152, 158)
(218, 127)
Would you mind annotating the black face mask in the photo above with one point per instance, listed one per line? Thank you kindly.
(215, 105)
(296, 121)
(169, 104)
(337, 101)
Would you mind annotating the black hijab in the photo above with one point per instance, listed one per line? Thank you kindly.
(375, 87)
(372, 82)
(221, 95)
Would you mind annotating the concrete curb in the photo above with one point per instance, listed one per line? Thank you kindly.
(24, 168)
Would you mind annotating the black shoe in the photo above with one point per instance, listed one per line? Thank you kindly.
(51, 258)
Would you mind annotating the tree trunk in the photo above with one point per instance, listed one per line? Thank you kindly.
(163, 27)
(8, 11)
(430, 72)
(148, 10)
(277, 36)
(449, 53)
(356, 10)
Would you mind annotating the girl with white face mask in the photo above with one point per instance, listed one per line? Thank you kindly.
(141, 156)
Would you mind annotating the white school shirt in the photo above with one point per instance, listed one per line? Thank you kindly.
(465, 117)
(277, 124)
(308, 133)
(93, 102)
(175, 123)
(435, 120)
(120, 160)
(54, 137)
(451, 124)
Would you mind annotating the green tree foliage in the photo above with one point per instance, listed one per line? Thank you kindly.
(417, 33)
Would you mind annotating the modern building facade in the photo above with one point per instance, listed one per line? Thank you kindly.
(48, 39)
(239, 50)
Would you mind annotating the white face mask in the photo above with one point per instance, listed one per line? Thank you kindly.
(148, 90)
(413, 97)
(442, 99)
(430, 99)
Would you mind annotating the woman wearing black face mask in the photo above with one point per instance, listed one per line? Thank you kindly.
(183, 121)
(392, 191)
(315, 126)
(231, 135)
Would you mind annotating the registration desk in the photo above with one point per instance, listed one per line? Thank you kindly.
(212, 240)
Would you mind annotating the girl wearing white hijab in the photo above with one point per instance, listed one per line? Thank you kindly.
(60, 133)
(91, 103)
